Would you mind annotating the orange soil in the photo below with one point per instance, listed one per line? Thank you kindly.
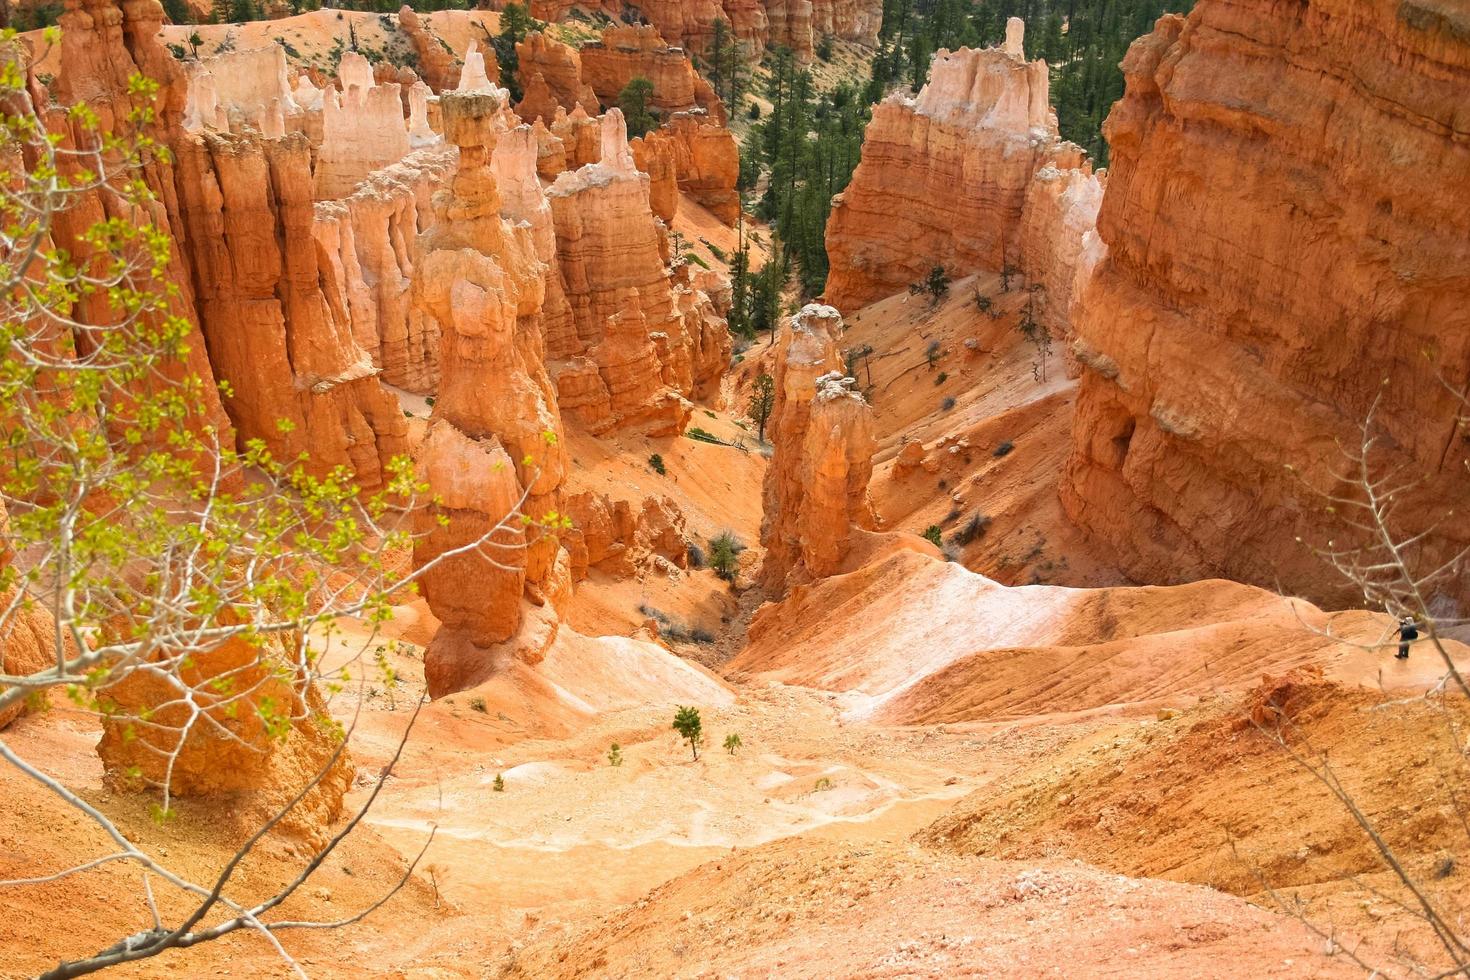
(997, 400)
(910, 640)
(798, 909)
(1210, 797)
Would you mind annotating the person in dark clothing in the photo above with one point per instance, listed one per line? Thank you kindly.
(1408, 633)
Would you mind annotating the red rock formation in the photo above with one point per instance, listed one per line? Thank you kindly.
(816, 489)
(235, 750)
(1287, 242)
(103, 45)
(644, 338)
(960, 177)
(436, 64)
(581, 138)
(270, 330)
(707, 161)
(497, 432)
(654, 155)
(612, 537)
(627, 52)
(551, 76)
(796, 24)
(368, 243)
(27, 634)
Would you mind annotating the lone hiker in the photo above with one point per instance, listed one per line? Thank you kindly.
(1408, 633)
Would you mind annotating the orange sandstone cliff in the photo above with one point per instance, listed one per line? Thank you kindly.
(1287, 244)
(816, 489)
(971, 175)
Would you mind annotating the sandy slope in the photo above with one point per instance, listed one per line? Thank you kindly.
(1212, 798)
(909, 639)
(997, 402)
(801, 910)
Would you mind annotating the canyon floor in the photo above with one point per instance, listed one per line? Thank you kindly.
(940, 774)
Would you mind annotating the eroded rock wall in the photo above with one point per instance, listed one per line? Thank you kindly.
(816, 489)
(270, 330)
(970, 175)
(797, 24)
(551, 76)
(1287, 243)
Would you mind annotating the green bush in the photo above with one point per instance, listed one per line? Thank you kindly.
(934, 535)
(724, 555)
(689, 727)
(656, 462)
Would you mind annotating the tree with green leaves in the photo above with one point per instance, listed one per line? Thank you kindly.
(732, 743)
(633, 100)
(762, 403)
(690, 728)
(515, 23)
(184, 585)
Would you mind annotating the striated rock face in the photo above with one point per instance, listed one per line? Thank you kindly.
(797, 24)
(627, 52)
(496, 435)
(613, 538)
(368, 243)
(580, 136)
(287, 349)
(1286, 241)
(362, 130)
(655, 156)
(436, 65)
(970, 175)
(103, 45)
(643, 338)
(706, 159)
(816, 489)
(551, 76)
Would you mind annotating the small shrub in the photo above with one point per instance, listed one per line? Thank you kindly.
(732, 743)
(689, 727)
(824, 47)
(1004, 449)
(936, 284)
(941, 378)
(615, 755)
(499, 784)
(947, 404)
(822, 784)
(724, 555)
(754, 112)
(984, 303)
(971, 530)
(701, 435)
(931, 353)
(695, 553)
(934, 535)
(478, 704)
(656, 463)
(701, 636)
(716, 251)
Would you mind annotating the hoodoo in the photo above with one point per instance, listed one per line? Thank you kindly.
(971, 175)
(816, 491)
